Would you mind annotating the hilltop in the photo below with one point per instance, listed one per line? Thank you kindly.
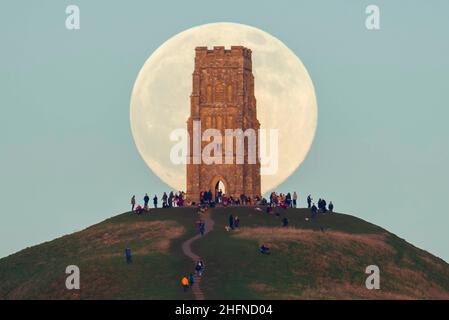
(306, 262)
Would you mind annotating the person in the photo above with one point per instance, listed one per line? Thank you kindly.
(185, 283)
(225, 199)
(236, 222)
(164, 200)
(309, 201)
(170, 199)
(264, 249)
(323, 206)
(295, 198)
(199, 268)
(155, 201)
(191, 280)
(231, 222)
(313, 211)
(128, 255)
(202, 228)
(288, 200)
(146, 199)
(139, 209)
(133, 202)
(285, 222)
(243, 199)
(220, 196)
(331, 207)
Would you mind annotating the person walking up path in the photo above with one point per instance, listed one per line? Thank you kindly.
(187, 250)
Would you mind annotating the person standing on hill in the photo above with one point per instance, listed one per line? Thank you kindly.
(185, 283)
(295, 198)
(164, 200)
(191, 280)
(313, 211)
(170, 199)
(128, 255)
(155, 201)
(202, 227)
(309, 201)
(288, 200)
(236, 222)
(231, 222)
(199, 268)
(133, 202)
(146, 199)
(331, 207)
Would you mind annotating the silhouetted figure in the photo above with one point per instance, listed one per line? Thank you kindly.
(191, 280)
(202, 227)
(146, 199)
(236, 222)
(170, 199)
(231, 222)
(155, 201)
(313, 210)
(128, 255)
(164, 200)
(264, 249)
(133, 202)
(331, 207)
(288, 200)
(323, 206)
(199, 268)
(309, 201)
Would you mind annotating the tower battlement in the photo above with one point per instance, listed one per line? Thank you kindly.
(220, 56)
(221, 50)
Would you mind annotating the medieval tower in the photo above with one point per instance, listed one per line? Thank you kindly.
(223, 98)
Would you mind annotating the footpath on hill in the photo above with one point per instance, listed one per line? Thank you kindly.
(187, 250)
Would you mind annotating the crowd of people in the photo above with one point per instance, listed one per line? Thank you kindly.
(188, 281)
(275, 200)
(222, 199)
(322, 207)
(173, 199)
(275, 203)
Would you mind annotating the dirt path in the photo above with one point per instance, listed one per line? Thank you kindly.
(187, 249)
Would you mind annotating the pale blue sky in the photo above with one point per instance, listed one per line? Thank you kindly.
(68, 159)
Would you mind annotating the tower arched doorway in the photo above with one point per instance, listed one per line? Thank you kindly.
(218, 185)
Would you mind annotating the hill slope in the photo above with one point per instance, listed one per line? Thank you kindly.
(305, 261)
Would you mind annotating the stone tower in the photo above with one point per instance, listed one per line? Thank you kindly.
(223, 98)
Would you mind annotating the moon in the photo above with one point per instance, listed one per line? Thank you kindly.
(160, 100)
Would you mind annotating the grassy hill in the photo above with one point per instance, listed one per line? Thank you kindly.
(306, 263)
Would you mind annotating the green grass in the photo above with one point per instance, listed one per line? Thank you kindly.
(234, 265)
(321, 266)
(39, 272)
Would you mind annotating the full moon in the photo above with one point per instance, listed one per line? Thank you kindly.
(160, 101)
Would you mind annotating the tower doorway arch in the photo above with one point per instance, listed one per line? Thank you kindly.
(218, 184)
